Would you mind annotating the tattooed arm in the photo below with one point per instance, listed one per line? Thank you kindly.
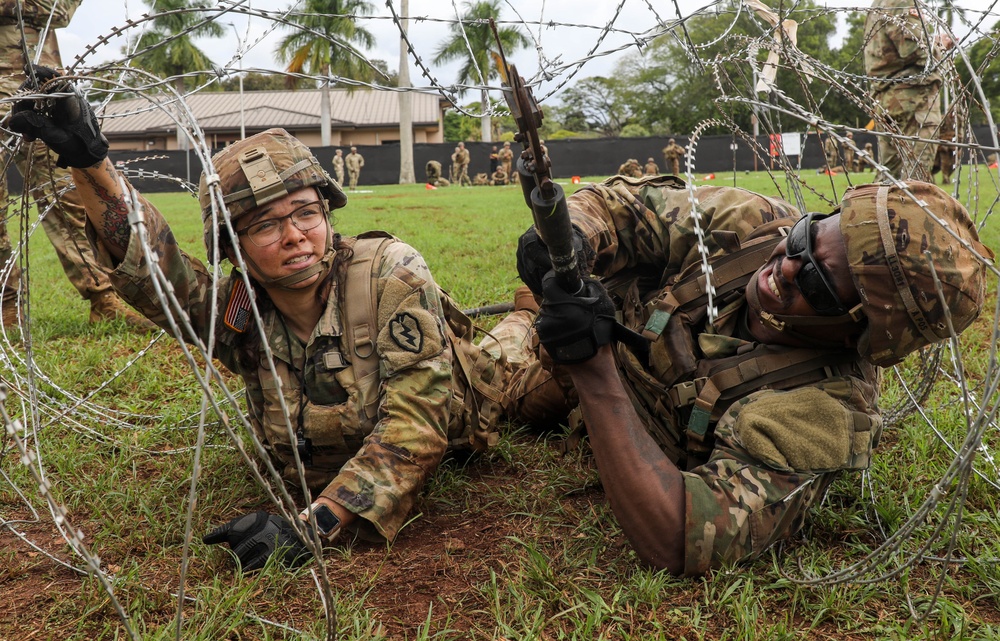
(100, 189)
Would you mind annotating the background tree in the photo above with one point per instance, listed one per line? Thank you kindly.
(167, 47)
(597, 104)
(318, 47)
(478, 65)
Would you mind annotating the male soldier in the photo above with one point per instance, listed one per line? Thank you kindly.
(905, 83)
(847, 149)
(506, 157)
(630, 168)
(714, 441)
(462, 160)
(866, 162)
(830, 151)
(434, 176)
(651, 169)
(64, 216)
(338, 166)
(481, 180)
(945, 159)
(354, 162)
(499, 177)
(672, 155)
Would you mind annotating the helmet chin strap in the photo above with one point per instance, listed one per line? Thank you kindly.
(785, 323)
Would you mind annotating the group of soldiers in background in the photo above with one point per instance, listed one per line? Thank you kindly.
(501, 168)
(671, 156)
(353, 163)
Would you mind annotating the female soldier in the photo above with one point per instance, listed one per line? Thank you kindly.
(367, 446)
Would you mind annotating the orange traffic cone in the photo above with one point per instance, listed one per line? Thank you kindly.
(709, 177)
(575, 180)
(429, 186)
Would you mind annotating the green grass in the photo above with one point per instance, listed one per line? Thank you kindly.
(518, 544)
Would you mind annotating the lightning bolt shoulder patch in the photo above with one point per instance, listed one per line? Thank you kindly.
(406, 333)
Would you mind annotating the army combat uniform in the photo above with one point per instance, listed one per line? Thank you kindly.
(830, 151)
(338, 168)
(506, 157)
(761, 453)
(900, 64)
(354, 163)
(462, 160)
(672, 155)
(64, 220)
(368, 447)
(434, 177)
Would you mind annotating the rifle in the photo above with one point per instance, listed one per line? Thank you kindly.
(545, 197)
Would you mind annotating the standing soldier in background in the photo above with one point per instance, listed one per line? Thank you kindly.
(494, 160)
(945, 160)
(672, 155)
(506, 157)
(64, 213)
(900, 58)
(462, 160)
(338, 166)
(830, 151)
(651, 168)
(848, 150)
(865, 164)
(354, 162)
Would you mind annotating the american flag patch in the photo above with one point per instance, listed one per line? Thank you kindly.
(238, 310)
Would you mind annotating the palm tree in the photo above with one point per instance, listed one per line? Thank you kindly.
(479, 60)
(314, 48)
(168, 49)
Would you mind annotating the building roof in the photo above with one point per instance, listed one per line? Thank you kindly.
(261, 109)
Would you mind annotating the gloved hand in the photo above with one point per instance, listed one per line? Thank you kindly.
(572, 328)
(533, 257)
(255, 537)
(66, 124)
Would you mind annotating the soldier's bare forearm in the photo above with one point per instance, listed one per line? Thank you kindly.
(644, 487)
(106, 205)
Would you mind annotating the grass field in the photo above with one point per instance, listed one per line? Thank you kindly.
(517, 544)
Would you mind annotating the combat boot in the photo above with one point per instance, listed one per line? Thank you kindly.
(524, 299)
(106, 306)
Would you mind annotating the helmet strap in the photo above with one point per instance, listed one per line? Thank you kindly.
(786, 323)
(287, 282)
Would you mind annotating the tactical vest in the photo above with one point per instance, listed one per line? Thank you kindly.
(478, 379)
(681, 397)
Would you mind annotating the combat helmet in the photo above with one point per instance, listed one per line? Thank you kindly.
(258, 170)
(887, 234)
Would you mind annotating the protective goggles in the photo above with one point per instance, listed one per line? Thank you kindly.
(812, 280)
(268, 232)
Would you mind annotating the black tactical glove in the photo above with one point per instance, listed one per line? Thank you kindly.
(255, 537)
(66, 124)
(533, 257)
(572, 328)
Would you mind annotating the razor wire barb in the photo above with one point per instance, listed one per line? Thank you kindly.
(45, 403)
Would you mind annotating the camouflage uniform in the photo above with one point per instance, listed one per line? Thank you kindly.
(506, 157)
(338, 166)
(750, 490)
(354, 162)
(481, 180)
(499, 177)
(865, 164)
(374, 472)
(630, 168)
(64, 222)
(830, 151)
(848, 152)
(651, 169)
(434, 177)
(672, 155)
(462, 160)
(896, 56)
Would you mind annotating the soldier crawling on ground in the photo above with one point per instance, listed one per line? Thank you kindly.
(702, 465)
(434, 177)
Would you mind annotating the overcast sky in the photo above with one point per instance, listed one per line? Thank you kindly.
(578, 28)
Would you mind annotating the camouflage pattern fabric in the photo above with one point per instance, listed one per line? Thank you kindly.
(899, 57)
(48, 184)
(499, 177)
(374, 473)
(672, 154)
(651, 169)
(848, 152)
(830, 151)
(462, 160)
(338, 168)
(434, 177)
(630, 168)
(737, 503)
(506, 157)
(354, 162)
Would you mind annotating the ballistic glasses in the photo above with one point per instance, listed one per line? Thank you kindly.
(812, 280)
(267, 232)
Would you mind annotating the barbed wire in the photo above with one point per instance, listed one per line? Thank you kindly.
(44, 403)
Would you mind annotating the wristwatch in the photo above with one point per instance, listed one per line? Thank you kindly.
(327, 523)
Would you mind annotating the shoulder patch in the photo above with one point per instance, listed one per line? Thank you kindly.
(238, 309)
(406, 333)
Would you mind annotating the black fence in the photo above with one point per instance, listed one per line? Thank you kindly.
(598, 157)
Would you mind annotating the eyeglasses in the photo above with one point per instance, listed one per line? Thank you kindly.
(267, 232)
(812, 280)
